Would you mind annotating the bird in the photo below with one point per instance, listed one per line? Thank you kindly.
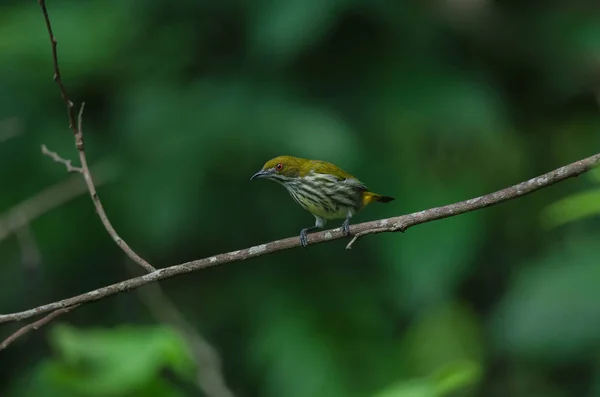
(321, 188)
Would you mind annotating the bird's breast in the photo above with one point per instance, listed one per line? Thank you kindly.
(324, 196)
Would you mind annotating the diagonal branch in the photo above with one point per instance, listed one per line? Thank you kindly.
(77, 128)
(399, 223)
(210, 379)
(57, 76)
(34, 326)
(87, 176)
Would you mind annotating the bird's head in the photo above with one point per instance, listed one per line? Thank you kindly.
(282, 169)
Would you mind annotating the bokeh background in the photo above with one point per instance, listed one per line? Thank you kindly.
(429, 101)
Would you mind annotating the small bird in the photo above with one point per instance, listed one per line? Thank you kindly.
(321, 188)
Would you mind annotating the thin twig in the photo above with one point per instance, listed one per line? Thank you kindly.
(210, 380)
(34, 326)
(394, 224)
(77, 128)
(78, 133)
(85, 171)
(67, 163)
(87, 175)
(370, 231)
(57, 76)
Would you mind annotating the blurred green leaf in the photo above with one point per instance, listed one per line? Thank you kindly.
(450, 378)
(456, 375)
(414, 388)
(115, 362)
(572, 208)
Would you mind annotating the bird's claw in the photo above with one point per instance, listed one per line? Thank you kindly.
(303, 238)
(346, 227)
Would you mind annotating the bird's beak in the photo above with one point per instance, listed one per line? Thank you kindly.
(262, 174)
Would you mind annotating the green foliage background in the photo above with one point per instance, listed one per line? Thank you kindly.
(430, 102)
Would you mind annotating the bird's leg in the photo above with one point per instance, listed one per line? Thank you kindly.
(303, 232)
(319, 223)
(346, 224)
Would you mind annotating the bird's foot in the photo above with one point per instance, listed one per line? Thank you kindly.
(303, 238)
(346, 227)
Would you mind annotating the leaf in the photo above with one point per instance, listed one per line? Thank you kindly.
(572, 208)
(112, 362)
(447, 379)
(456, 375)
(414, 388)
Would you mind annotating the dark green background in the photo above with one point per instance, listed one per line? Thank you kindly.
(429, 101)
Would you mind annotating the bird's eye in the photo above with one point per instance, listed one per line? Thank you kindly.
(279, 167)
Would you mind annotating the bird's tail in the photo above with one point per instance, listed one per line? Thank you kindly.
(369, 197)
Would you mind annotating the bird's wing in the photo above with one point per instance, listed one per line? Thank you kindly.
(352, 181)
(336, 173)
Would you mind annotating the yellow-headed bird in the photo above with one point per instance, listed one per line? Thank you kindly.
(321, 188)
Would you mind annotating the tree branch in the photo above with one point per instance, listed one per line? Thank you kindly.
(34, 326)
(87, 175)
(209, 379)
(77, 128)
(57, 76)
(66, 162)
(399, 223)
